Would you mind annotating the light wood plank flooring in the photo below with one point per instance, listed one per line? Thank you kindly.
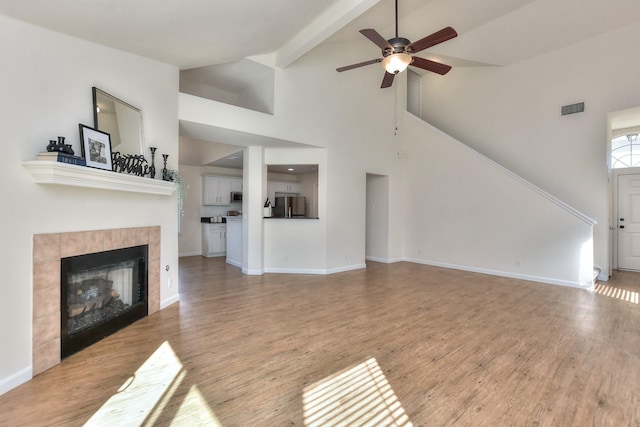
(406, 343)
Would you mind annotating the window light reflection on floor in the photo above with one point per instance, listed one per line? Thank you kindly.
(195, 411)
(146, 394)
(617, 293)
(358, 396)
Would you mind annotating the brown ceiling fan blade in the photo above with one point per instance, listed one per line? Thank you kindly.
(360, 64)
(375, 37)
(434, 67)
(436, 38)
(387, 80)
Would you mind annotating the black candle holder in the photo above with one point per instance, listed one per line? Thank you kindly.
(165, 172)
(60, 146)
(152, 169)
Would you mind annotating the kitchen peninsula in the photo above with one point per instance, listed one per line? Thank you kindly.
(234, 240)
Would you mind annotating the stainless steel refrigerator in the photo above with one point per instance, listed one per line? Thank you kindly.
(290, 206)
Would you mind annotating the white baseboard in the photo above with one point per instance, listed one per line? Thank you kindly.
(234, 263)
(166, 303)
(511, 275)
(315, 271)
(345, 268)
(384, 260)
(189, 254)
(294, 270)
(253, 272)
(15, 380)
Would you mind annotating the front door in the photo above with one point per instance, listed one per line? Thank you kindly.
(629, 222)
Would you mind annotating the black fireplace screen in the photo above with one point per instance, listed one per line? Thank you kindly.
(100, 294)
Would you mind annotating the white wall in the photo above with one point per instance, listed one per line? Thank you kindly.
(46, 91)
(512, 115)
(465, 212)
(258, 95)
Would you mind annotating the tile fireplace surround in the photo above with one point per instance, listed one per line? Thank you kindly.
(48, 249)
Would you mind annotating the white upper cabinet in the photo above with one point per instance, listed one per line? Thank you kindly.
(216, 191)
(236, 185)
(274, 187)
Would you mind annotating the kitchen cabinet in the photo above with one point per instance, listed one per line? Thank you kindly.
(274, 187)
(236, 185)
(216, 191)
(214, 240)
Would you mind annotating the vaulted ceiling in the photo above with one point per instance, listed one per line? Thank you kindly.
(196, 33)
(203, 32)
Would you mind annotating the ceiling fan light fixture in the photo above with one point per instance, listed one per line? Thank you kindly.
(396, 63)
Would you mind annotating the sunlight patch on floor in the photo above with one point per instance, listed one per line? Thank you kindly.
(359, 396)
(194, 411)
(142, 394)
(143, 397)
(617, 293)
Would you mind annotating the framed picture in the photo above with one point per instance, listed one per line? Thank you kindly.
(96, 147)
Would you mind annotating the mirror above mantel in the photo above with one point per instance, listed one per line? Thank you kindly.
(119, 119)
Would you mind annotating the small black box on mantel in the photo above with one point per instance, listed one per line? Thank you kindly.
(572, 109)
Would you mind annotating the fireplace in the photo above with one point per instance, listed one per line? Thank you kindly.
(50, 249)
(101, 293)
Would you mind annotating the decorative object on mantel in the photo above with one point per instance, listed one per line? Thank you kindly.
(121, 120)
(152, 169)
(96, 147)
(174, 176)
(134, 164)
(58, 156)
(165, 172)
(60, 146)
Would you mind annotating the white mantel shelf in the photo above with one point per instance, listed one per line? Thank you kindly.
(46, 172)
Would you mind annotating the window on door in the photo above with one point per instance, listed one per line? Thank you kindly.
(625, 151)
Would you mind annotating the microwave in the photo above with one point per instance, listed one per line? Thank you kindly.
(236, 196)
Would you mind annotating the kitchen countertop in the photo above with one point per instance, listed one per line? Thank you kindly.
(207, 220)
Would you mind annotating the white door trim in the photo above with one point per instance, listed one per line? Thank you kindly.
(614, 219)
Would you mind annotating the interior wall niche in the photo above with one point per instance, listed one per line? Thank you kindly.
(243, 83)
(294, 180)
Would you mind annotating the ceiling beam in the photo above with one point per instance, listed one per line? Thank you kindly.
(331, 20)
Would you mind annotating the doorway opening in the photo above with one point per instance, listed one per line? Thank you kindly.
(377, 218)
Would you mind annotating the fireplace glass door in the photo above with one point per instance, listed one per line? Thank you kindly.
(100, 294)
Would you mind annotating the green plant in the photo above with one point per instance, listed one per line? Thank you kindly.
(174, 176)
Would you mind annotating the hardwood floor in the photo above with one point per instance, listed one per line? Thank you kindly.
(410, 344)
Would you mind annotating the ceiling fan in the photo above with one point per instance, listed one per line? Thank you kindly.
(397, 52)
